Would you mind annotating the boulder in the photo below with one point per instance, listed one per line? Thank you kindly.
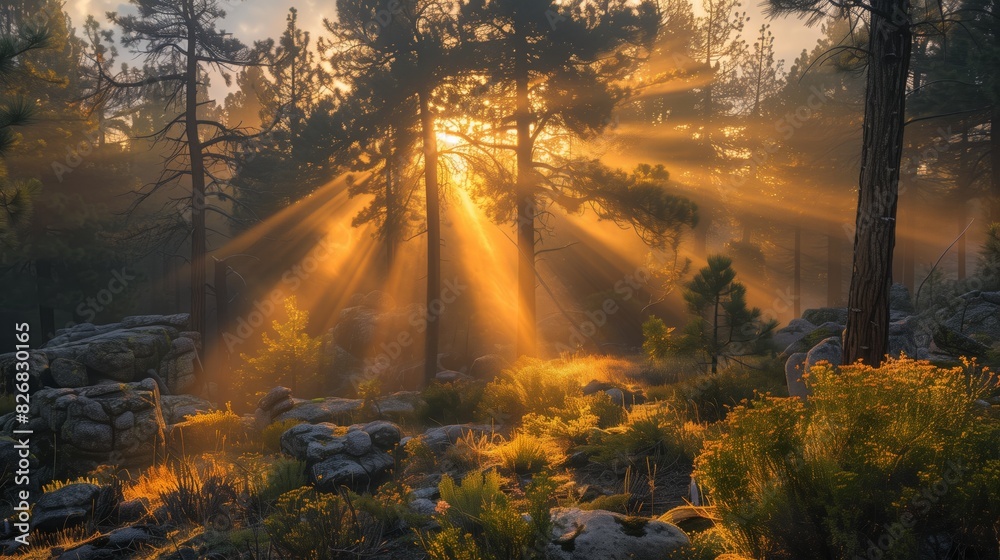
(384, 435)
(338, 460)
(402, 405)
(177, 407)
(70, 374)
(331, 409)
(64, 507)
(902, 339)
(359, 473)
(791, 333)
(810, 339)
(957, 344)
(357, 443)
(899, 299)
(488, 367)
(822, 315)
(440, 438)
(975, 313)
(450, 376)
(793, 375)
(179, 366)
(829, 350)
(587, 535)
(110, 423)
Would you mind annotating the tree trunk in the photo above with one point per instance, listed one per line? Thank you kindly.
(198, 234)
(797, 270)
(960, 247)
(221, 357)
(433, 334)
(834, 270)
(867, 335)
(526, 335)
(390, 213)
(46, 313)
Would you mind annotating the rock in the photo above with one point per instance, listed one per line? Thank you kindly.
(792, 333)
(113, 423)
(64, 507)
(180, 365)
(69, 373)
(112, 358)
(617, 396)
(423, 506)
(794, 368)
(439, 439)
(133, 538)
(488, 367)
(402, 405)
(178, 321)
(297, 439)
(822, 315)
(332, 409)
(975, 313)
(450, 376)
(384, 435)
(595, 386)
(357, 443)
(810, 339)
(177, 407)
(588, 535)
(355, 472)
(902, 339)
(829, 350)
(273, 397)
(899, 299)
(957, 344)
(379, 300)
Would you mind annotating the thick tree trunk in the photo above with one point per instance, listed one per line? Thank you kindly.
(220, 359)
(433, 334)
(834, 265)
(198, 234)
(867, 335)
(526, 328)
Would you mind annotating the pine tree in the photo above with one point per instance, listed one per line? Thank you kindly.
(722, 325)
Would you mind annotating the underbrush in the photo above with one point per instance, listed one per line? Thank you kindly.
(880, 463)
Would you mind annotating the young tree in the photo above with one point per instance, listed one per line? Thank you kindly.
(180, 43)
(722, 325)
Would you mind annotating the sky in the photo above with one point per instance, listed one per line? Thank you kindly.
(252, 20)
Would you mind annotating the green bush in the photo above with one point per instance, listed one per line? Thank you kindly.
(210, 431)
(706, 398)
(481, 521)
(655, 431)
(313, 526)
(271, 435)
(530, 386)
(450, 403)
(283, 476)
(656, 342)
(875, 463)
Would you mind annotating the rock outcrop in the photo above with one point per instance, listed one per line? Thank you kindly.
(358, 458)
(587, 535)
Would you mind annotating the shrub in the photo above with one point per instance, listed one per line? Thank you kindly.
(271, 435)
(706, 398)
(530, 386)
(654, 431)
(450, 403)
(211, 431)
(283, 476)
(290, 358)
(523, 454)
(480, 521)
(198, 496)
(876, 463)
(310, 525)
(656, 341)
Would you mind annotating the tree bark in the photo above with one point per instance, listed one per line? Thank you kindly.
(526, 328)
(433, 334)
(866, 337)
(198, 234)
(797, 270)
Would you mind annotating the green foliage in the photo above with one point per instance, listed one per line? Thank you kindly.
(271, 435)
(722, 325)
(890, 456)
(530, 386)
(198, 496)
(524, 454)
(989, 258)
(707, 397)
(655, 431)
(481, 521)
(656, 341)
(388, 506)
(450, 403)
(290, 357)
(614, 502)
(314, 526)
(211, 431)
(283, 476)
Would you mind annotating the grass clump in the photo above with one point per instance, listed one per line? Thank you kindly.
(479, 520)
(878, 461)
(314, 526)
(523, 454)
(450, 403)
(271, 435)
(211, 431)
